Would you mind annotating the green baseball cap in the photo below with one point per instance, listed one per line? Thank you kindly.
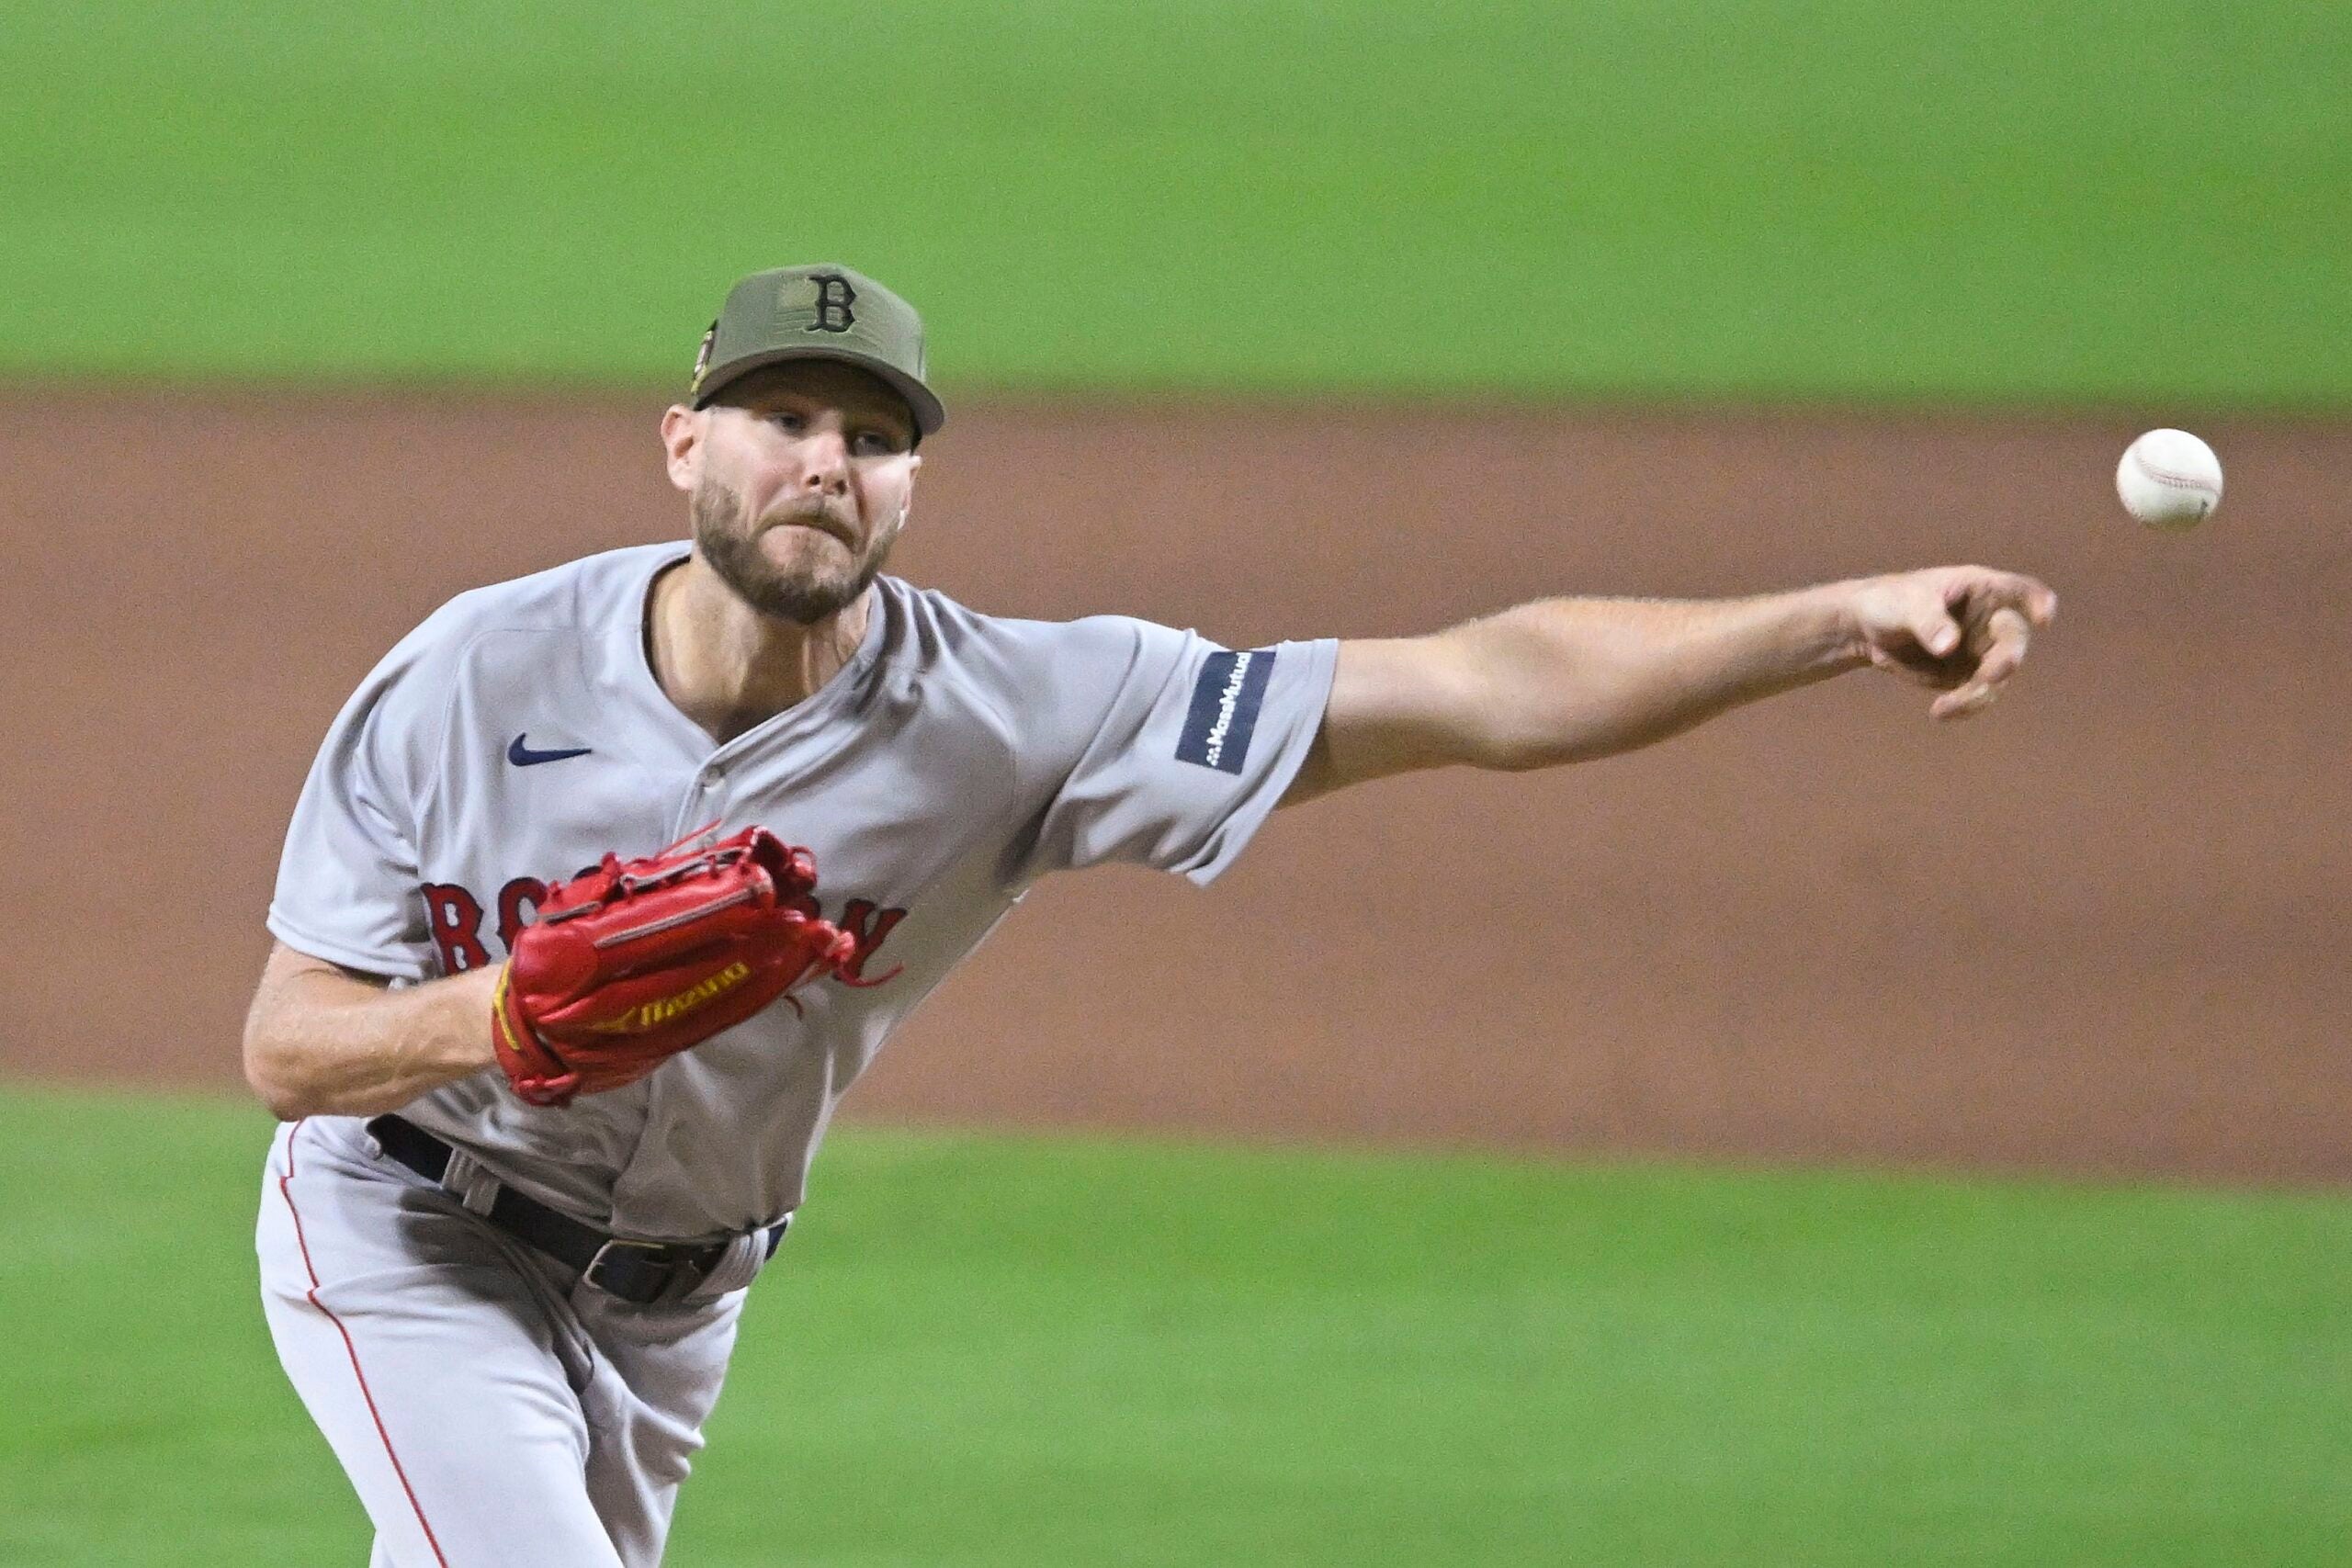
(817, 312)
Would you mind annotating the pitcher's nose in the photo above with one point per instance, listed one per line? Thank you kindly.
(827, 464)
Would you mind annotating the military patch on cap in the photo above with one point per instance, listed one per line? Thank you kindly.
(702, 358)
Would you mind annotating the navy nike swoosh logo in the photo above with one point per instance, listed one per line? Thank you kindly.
(522, 756)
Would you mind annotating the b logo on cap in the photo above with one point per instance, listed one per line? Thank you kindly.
(834, 297)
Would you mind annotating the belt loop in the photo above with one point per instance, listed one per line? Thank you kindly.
(746, 1255)
(474, 1188)
(734, 1268)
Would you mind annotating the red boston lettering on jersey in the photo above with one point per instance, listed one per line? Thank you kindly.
(867, 926)
(512, 915)
(455, 917)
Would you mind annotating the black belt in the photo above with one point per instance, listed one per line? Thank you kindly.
(641, 1272)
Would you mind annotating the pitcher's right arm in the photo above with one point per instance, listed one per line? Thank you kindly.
(322, 1040)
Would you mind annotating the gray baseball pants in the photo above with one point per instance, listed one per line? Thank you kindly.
(491, 1411)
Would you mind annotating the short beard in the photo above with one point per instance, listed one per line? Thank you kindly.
(730, 541)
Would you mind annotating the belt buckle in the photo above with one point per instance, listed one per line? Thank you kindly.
(619, 1269)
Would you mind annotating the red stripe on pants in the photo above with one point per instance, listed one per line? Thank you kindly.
(352, 1351)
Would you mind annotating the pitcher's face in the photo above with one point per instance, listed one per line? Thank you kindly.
(799, 478)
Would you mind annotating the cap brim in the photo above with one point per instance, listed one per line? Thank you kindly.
(928, 411)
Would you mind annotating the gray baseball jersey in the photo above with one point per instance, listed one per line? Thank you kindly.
(518, 734)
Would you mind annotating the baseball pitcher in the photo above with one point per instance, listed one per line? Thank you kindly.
(608, 883)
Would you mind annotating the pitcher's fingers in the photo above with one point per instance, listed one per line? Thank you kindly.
(1973, 698)
(1930, 621)
(2007, 637)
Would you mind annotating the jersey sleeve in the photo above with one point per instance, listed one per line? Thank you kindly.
(348, 885)
(1186, 749)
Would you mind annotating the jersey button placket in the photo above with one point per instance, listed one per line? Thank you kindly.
(708, 797)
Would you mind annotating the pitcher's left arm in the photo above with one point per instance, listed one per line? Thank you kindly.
(1569, 680)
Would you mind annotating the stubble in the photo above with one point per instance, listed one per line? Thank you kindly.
(730, 540)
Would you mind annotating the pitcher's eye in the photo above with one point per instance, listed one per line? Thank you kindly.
(877, 443)
(788, 422)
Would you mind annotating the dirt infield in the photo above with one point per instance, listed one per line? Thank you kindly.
(2101, 929)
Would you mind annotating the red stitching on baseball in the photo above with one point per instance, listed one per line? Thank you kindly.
(2166, 476)
(352, 1351)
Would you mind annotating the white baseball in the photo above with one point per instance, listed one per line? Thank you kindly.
(2168, 478)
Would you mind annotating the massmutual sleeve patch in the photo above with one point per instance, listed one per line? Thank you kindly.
(1225, 709)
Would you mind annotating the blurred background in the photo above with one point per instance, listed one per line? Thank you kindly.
(1825, 1138)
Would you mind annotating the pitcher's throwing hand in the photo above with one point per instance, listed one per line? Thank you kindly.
(1962, 629)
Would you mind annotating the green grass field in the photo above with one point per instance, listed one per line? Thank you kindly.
(1996, 199)
(1031, 1353)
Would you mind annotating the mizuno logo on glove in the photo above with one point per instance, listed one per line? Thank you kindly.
(638, 1020)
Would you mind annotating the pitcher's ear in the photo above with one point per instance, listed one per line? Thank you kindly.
(682, 429)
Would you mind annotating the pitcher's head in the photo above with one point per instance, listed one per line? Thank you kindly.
(796, 446)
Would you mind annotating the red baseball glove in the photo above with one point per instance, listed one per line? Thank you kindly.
(636, 961)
